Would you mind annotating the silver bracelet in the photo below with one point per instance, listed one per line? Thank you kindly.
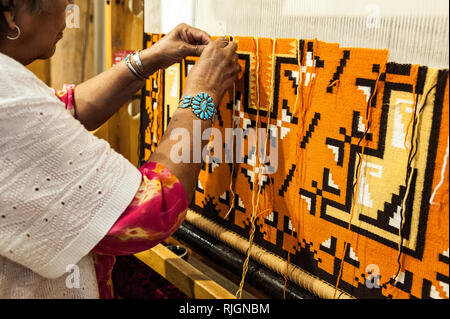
(138, 61)
(132, 69)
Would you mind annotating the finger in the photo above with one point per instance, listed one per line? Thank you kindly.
(231, 47)
(188, 38)
(194, 50)
(193, 35)
(237, 69)
(199, 36)
(221, 42)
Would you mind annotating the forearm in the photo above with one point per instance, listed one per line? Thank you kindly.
(187, 173)
(100, 97)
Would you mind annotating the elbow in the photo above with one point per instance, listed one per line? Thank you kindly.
(91, 126)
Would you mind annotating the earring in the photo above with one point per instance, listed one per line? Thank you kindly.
(17, 36)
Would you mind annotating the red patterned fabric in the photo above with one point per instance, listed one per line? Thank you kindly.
(66, 95)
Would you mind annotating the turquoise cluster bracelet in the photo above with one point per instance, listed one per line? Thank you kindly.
(202, 105)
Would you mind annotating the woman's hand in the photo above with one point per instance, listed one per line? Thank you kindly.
(181, 42)
(216, 70)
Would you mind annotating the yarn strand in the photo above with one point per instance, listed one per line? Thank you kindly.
(356, 184)
(233, 195)
(254, 207)
(409, 175)
(258, 165)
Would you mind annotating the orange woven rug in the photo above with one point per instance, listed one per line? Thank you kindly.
(357, 158)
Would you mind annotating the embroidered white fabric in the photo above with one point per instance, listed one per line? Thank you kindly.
(61, 190)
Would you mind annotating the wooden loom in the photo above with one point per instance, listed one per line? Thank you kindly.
(364, 25)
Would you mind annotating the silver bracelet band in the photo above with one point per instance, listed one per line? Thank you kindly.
(137, 59)
(132, 69)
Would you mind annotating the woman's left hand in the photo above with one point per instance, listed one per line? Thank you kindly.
(181, 42)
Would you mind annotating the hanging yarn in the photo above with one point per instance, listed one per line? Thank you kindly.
(300, 77)
(356, 183)
(233, 196)
(409, 175)
(299, 92)
(258, 168)
(299, 96)
(255, 172)
(413, 114)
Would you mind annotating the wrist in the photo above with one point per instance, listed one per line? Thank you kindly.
(149, 61)
(201, 104)
(194, 93)
(135, 67)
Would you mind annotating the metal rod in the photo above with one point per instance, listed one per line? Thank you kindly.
(259, 276)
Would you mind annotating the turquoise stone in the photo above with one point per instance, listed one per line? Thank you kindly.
(202, 105)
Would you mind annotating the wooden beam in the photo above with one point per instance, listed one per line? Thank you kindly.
(183, 275)
(123, 31)
(73, 60)
(103, 131)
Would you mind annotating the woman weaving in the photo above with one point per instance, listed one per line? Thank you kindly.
(66, 198)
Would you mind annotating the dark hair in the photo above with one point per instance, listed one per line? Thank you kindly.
(33, 5)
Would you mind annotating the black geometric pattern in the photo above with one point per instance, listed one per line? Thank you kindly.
(339, 71)
(310, 131)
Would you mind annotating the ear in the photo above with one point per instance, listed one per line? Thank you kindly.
(10, 19)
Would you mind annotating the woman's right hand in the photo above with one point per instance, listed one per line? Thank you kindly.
(216, 70)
